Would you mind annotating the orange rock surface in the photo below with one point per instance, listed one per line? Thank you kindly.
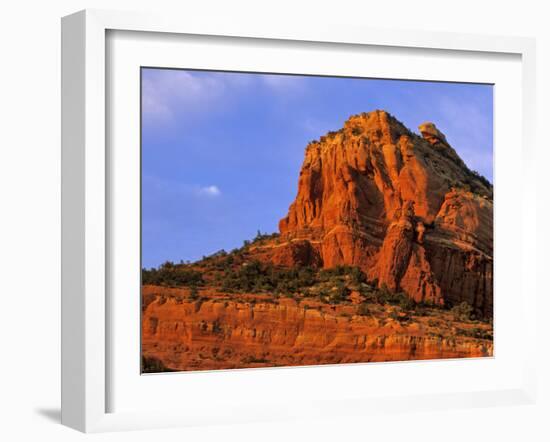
(223, 334)
(403, 207)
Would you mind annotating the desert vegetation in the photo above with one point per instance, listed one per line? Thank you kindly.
(235, 273)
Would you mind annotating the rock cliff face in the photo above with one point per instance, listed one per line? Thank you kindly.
(182, 334)
(402, 207)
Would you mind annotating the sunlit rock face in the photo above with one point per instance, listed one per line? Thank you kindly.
(181, 334)
(403, 207)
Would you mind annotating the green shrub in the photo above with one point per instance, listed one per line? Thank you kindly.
(363, 309)
(255, 276)
(324, 295)
(354, 274)
(462, 311)
(194, 293)
(394, 314)
(253, 360)
(384, 296)
(264, 236)
(405, 302)
(421, 309)
(484, 180)
(475, 332)
(172, 275)
(339, 294)
(153, 365)
(357, 276)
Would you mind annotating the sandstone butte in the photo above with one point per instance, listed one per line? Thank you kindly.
(402, 207)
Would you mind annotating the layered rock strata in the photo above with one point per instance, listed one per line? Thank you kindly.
(214, 334)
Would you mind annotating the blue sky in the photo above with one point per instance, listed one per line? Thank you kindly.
(221, 152)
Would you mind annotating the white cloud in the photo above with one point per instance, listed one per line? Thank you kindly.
(209, 191)
(155, 186)
(170, 94)
(167, 92)
(284, 83)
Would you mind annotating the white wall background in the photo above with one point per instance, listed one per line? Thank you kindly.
(30, 217)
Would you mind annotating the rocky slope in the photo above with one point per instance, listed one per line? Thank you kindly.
(217, 332)
(402, 207)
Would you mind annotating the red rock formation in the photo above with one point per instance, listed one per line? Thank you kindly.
(216, 334)
(403, 208)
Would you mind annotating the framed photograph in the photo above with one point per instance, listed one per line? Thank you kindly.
(262, 222)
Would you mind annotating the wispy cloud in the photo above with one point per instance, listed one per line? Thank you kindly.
(209, 191)
(171, 94)
(157, 187)
(284, 84)
(166, 93)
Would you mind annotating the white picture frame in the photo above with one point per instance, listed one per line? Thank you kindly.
(86, 206)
